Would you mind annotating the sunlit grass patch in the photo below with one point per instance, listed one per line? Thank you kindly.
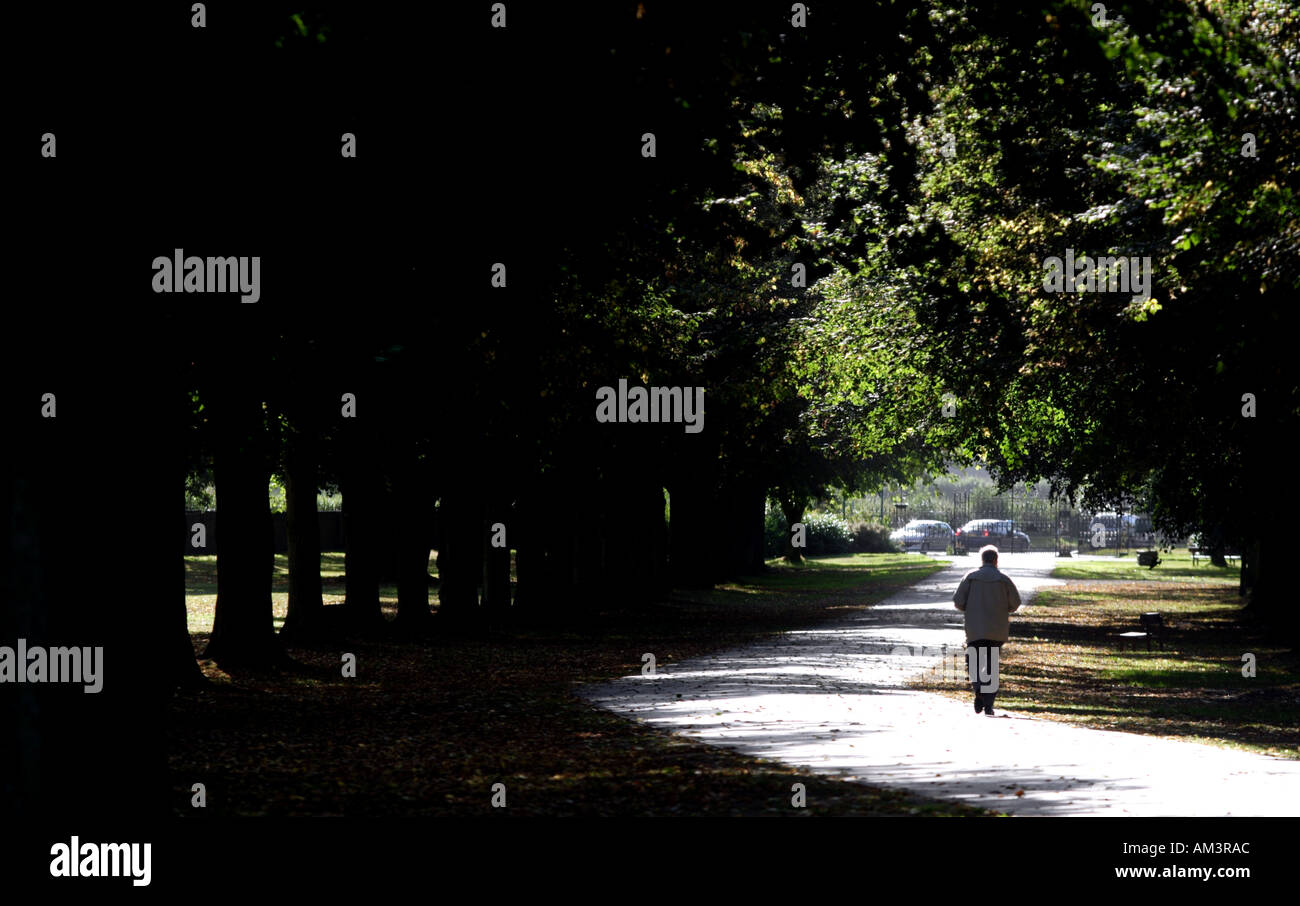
(847, 571)
(1065, 662)
(1175, 566)
(201, 589)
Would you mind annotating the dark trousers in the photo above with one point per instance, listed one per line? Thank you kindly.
(982, 650)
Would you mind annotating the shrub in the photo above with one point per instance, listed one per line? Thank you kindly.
(827, 534)
(823, 532)
(774, 532)
(870, 538)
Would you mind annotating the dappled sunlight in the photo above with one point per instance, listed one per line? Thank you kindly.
(1190, 686)
(1175, 566)
(201, 590)
(842, 699)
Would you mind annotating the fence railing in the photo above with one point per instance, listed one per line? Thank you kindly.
(1049, 526)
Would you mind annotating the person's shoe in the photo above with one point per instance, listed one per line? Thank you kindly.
(979, 703)
(988, 708)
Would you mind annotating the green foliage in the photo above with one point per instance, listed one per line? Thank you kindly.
(828, 534)
(202, 497)
(824, 532)
(301, 30)
(775, 531)
(1125, 141)
(276, 495)
(825, 148)
(871, 538)
(200, 494)
(199, 499)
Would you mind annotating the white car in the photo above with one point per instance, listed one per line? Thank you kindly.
(923, 535)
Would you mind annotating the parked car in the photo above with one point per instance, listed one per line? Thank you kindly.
(1001, 533)
(924, 535)
(1120, 531)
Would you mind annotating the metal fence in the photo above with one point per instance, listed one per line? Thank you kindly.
(1051, 526)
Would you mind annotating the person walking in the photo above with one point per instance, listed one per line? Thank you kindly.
(988, 597)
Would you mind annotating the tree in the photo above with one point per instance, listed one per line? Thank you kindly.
(1119, 141)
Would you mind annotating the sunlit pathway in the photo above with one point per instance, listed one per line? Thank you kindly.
(832, 699)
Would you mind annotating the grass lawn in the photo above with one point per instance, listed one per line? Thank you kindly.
(844, 571)
(1175, 566)
(1064, 663)
(426, 729)
(201, 589)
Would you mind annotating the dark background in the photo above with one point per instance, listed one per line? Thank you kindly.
(173, 137)
(167, 137)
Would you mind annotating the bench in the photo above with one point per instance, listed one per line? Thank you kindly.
(1204, 552)
(1153, 626)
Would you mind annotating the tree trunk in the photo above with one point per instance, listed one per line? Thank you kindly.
(1271, 600)
(1249, 559)
(496, 564)
(746, 514)
(460, 558)
(361, 509)
(413, 507)
(182, 665)
(1218, 548)
(638, 545)
(692, 518)
(755, 527)
(306, 606)
(243, 632)
(179, 652)
(21, 616)
(524, 592)
(660, 580)
(532, 593)
(177, 655)
(793, 508)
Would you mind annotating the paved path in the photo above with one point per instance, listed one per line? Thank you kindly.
(832, 699)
